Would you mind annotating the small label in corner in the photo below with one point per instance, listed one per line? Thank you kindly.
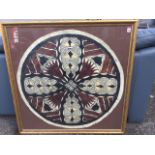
(129, 29)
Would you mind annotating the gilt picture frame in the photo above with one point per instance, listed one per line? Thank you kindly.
(70, 76)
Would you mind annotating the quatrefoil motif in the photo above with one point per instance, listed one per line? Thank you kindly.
(70, 78)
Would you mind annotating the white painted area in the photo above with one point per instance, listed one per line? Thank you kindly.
(76, 32)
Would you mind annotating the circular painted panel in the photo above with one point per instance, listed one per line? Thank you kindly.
(70, 79)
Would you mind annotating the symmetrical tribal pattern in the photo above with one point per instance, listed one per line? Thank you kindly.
(70, 79)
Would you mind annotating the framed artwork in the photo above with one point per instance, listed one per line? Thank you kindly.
(70, 77)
